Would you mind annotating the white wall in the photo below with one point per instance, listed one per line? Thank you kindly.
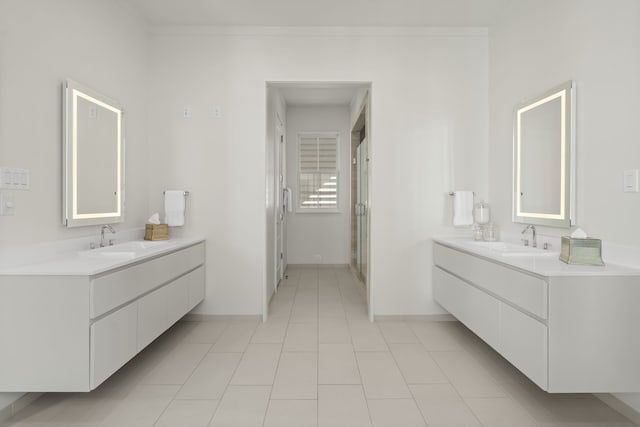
(429, 135)
(537, 45)
(101, 44)
(319, 238)
(356, 104)
(276, 116)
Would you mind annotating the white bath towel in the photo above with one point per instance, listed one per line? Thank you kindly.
(462, 208)
(174, 204)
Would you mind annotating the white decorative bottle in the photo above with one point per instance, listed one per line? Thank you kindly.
(481, 213)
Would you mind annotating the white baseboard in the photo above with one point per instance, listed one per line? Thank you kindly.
(5, 414)
(17, 406)
(417, 318)
(620, 407)
(221, 317)
(317, 266)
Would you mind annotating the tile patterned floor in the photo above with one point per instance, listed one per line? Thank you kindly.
(318, 361)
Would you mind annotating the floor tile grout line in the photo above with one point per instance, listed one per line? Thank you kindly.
(194, 369)
(364, 394)
(226, 388)
(466, 404)
(275, 375)
(415, 402)
(507, 395)
(165, 408)
(393, 356)
(361, 385)
(366, 402)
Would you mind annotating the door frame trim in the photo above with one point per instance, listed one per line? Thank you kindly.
(362, 121)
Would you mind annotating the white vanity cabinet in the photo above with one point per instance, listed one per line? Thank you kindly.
(567, 328)
(61, 332)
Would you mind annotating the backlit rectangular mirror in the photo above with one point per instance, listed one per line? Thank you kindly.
(93, 157)
(543, 165)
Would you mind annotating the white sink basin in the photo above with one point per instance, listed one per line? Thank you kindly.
(114, 255)
(136, 246)
(513, 250)
(126, 250)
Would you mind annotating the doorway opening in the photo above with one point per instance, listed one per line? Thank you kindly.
(312, 189)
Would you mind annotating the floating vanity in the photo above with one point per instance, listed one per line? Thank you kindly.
(68, 323)
(568, 328)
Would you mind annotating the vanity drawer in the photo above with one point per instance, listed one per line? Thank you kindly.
(113, 343)
(525, 291)
(163, 307)
(152, 317)
(197, 286)
(177, 299)
(113, 290)
(478, 310)
(523, 342)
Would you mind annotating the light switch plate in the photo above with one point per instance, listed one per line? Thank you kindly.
(7, 204)
(631, 181)
(14, 179)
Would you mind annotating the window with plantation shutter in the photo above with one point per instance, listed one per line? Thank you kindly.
(318, 171)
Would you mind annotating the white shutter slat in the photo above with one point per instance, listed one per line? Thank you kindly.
(318, 171)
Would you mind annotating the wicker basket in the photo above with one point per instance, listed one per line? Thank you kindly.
(156, 232)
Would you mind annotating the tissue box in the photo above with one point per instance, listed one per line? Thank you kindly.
(156, 232)
(585, 251)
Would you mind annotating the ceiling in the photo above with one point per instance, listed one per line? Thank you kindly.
(318, 94)
(359, 13)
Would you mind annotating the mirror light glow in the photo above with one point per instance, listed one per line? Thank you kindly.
(563, 113)
(543, 188)
(75, 95)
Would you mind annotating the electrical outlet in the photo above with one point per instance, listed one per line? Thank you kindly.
(217, 112)
(631, 181)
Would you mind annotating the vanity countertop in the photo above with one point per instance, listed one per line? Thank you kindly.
(91, 262)
(546, 265)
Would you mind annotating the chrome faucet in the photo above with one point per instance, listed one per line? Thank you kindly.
(533, 233)
(105, 227)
